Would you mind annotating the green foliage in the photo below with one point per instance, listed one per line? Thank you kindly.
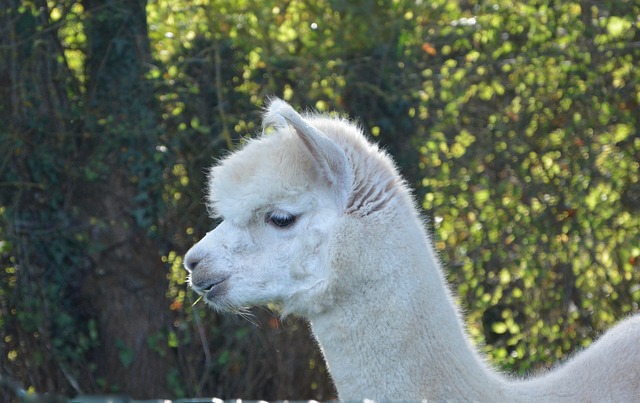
(44, 332)
(125, 354)
(528, 156)
(516, 121)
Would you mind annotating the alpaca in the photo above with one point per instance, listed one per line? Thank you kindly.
(317, 220)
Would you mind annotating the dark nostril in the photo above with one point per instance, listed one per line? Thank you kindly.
(191, 263)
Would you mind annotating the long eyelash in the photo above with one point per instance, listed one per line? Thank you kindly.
(281, 219)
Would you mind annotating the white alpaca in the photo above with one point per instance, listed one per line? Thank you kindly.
(318, 220)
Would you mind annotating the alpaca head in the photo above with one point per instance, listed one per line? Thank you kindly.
(281, 198)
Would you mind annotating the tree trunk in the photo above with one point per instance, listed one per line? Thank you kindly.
(128, 284)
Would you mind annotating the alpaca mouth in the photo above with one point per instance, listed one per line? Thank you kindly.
(214, 288)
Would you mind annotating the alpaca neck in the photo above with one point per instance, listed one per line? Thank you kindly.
(398, 336)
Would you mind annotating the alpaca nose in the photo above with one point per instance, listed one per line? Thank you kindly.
(191, 262)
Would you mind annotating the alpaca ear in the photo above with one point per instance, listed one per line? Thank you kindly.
(329, 158)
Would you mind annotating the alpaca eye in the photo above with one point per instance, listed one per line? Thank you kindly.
(281, 220)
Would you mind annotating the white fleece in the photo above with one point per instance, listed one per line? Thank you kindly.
(318, 220)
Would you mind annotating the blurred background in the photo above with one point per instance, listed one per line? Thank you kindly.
(515, 121)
